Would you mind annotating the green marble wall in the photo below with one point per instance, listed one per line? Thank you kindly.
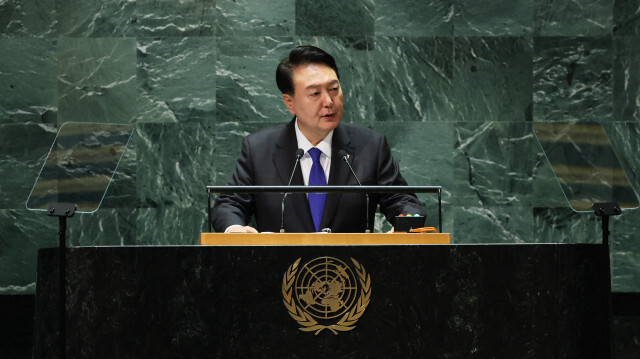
(454, 84)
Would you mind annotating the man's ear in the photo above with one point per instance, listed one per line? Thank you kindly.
(288, 101)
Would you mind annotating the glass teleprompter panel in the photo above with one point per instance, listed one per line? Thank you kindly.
(80, 166)
(585, 165)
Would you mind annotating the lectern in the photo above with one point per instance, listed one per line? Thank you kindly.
(329, 295)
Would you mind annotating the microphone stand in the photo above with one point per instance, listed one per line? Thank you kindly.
(299, 154)
(345, 158)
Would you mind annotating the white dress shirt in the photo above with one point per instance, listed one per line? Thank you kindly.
(306, 161)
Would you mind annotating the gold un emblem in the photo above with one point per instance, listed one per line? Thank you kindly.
(325, 294)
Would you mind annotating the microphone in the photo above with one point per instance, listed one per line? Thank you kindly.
(345, 157)
(299, 154)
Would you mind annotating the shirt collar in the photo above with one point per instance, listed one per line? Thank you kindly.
(324, 145)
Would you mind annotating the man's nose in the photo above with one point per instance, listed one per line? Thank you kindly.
(328, 100)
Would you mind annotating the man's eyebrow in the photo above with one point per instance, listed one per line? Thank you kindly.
(320, 85)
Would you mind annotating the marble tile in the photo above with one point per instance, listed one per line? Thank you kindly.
(572, 79)
(626, 79)
(492, 79)
(246, 89)
(23, 233)
(422, 150)
(171, 225)
(108, 18)
(493, 18)
(175, 162)
(229, 136)
(573, 17)
(255, 17)
(625, 257)
(547, 192)
(493, 164)
(96, 80)
(335, 18)
(122, 190)
(23, 150)
(413, 79)
(492, 223)
(414, 18)
(176, 79)
(626, 18)
(563, 225)
(29, 91)
(625, 140)
(175, 18)
(36, 18)
(105, 227)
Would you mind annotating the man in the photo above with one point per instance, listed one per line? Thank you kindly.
(309, 81)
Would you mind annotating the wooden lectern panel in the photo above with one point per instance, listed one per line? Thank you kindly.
(321, 239)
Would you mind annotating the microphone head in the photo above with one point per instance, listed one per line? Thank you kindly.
(299, 153)
(343, 154)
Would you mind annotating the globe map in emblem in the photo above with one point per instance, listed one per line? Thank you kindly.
(326, 288)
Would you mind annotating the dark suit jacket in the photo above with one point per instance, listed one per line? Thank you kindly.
(267, 159)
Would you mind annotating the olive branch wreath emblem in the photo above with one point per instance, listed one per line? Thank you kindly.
(307, 322)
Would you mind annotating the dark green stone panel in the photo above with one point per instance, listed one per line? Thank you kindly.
(106, 227)
(28, 18)
(625, 140)
(413, 79)
(423, 152)
(122, 190)
(625, 256)
(626, 85)
(174, 18)
(23, 150)
(171, 225)
(413, 18)
(335, 18)
(97, 80)
(176, 79)
(255, 17)
(246, 88)
(493, 164)
(572, 79)
(23, 233)
(573, 17)
(492, 79)
(626, 18)
(563, 225)
(491, 224)
(228, 139)
(493, 18)
(546, 188)
(175, 162)
(106, 18)
(28, 87)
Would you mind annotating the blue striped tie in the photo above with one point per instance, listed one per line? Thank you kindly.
(316, 178)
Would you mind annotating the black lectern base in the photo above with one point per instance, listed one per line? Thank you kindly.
(431, 301)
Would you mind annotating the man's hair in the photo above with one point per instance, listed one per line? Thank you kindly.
(301, 55)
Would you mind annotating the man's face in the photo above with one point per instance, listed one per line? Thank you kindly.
(317, 101)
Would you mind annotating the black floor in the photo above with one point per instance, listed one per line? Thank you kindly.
(16, 326)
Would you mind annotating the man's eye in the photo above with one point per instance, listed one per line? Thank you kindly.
(315, 94)
(334, 89)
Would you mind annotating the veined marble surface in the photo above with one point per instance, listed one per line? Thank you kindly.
(454, 84)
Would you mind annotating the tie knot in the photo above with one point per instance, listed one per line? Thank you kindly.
(315, 154)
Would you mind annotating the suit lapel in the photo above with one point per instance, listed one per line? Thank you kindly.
(284, 160)
(338, 175)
